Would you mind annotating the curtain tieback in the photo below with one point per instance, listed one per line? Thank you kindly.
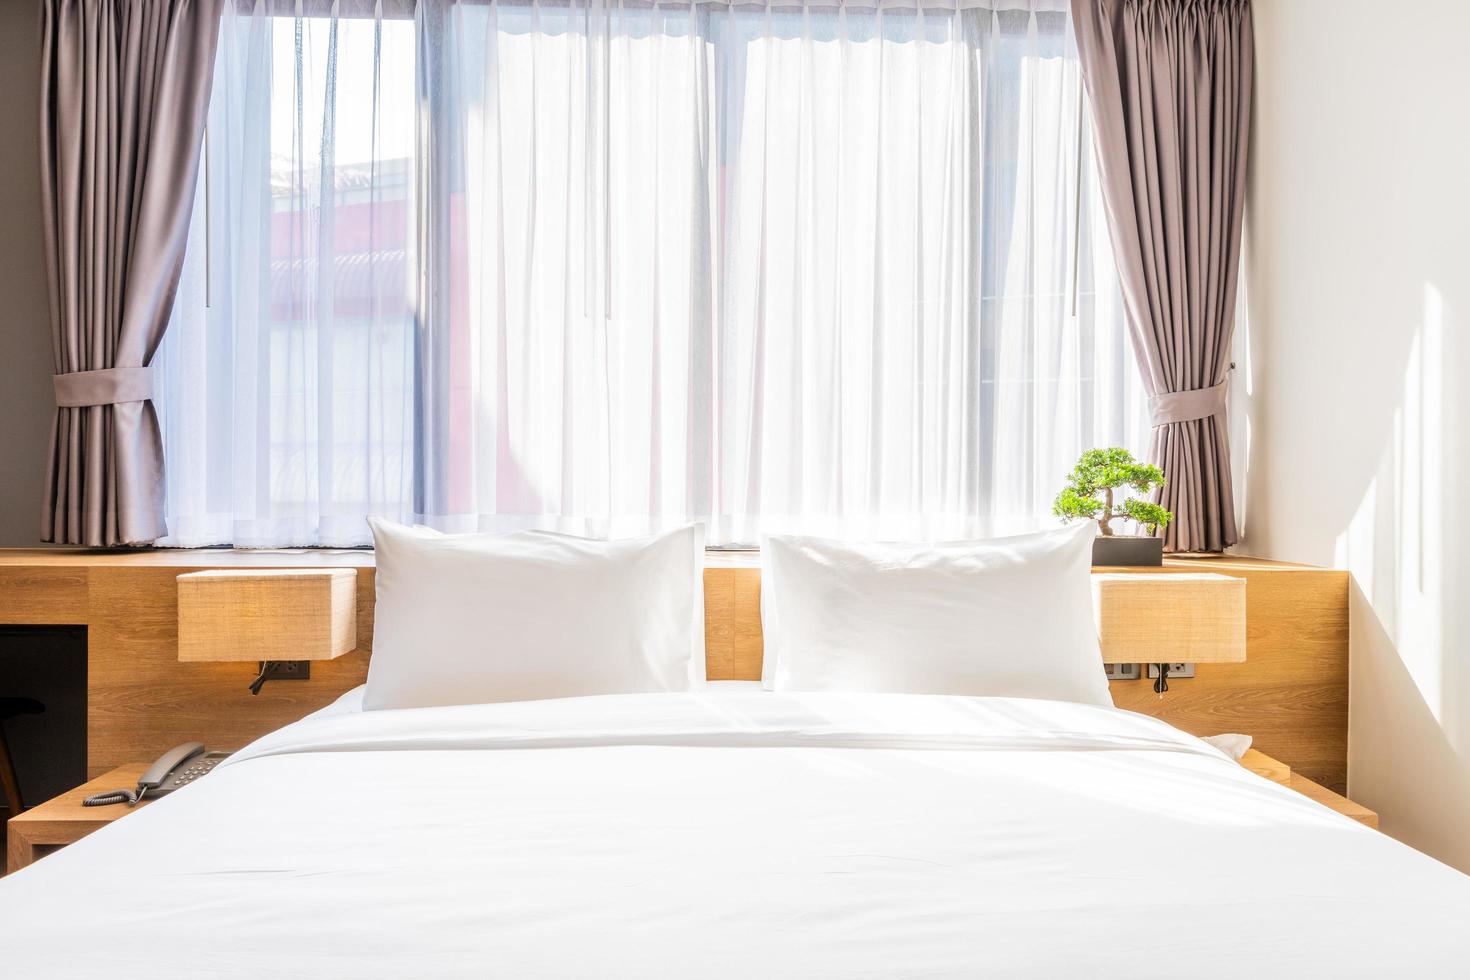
(108, 386)
(1186, 406)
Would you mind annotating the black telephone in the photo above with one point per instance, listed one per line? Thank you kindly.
(175, 769)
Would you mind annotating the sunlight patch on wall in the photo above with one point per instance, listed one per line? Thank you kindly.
(1393, 545)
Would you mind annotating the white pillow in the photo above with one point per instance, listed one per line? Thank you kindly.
(1009, 617)
(473, 618)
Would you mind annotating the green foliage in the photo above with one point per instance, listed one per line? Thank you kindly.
(1148, 515)
(1070, 503)
(1090, 486)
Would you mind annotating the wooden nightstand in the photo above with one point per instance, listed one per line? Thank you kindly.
(1279, 772)
(63, 820)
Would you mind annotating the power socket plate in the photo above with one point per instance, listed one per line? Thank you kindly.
(1175, 670)
(288, 670)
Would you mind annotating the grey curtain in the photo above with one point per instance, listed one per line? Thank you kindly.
(124, 89)
(1169, 83)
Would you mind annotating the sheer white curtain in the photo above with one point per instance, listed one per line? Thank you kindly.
(570, 316)
(287, 370)
(899, 354)
(835, 268)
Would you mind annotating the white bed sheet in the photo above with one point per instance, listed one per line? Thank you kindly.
(735, 833)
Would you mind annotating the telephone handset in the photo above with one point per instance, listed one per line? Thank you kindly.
(176, 768)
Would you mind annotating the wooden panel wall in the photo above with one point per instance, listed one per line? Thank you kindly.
(143, 700)
(732, 624)
(1291, 694)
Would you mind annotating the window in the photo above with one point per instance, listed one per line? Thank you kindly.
(609, 268)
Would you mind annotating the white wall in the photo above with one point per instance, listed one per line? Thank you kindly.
(1357, 369)
(25, 319)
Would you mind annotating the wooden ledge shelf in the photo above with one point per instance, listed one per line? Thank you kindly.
(64, 820)
(1334, 801)
(363, 558)
(1279, 772)
(1266, 767)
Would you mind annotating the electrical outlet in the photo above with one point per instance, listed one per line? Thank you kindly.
(288, 670)
(1121, 672)
(1175, 670)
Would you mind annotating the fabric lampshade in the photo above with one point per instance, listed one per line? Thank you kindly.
(1170, 618)
(267, 614)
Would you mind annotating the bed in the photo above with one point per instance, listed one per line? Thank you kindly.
(735, 832)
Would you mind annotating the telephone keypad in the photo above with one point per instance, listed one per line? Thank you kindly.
(194, 771)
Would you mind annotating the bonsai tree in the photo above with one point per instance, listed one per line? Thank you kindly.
(1089, 491)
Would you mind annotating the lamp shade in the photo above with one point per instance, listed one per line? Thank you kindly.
(1170, 618)
(267, 614)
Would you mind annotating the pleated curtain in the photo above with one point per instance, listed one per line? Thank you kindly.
(125, 85)
(1170, 86)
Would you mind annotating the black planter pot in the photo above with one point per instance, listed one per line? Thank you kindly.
(1127, 550)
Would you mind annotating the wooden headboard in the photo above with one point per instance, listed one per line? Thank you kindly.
(1290, 694)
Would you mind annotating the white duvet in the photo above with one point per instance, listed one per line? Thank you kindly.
(739, 834)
